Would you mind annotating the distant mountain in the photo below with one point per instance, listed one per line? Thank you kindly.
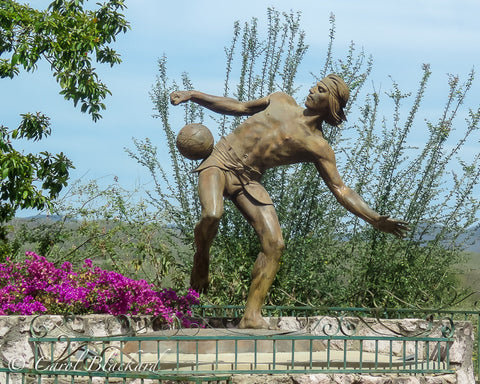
(41, 219)
(472, 245)
(474, 240)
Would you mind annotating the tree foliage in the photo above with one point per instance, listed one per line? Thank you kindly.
(21, 172)
(69, 37)
(331, 256)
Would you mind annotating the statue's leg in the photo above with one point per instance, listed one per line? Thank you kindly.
(264, 220)
(211, 183)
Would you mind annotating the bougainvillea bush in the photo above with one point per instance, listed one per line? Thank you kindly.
(36, 286)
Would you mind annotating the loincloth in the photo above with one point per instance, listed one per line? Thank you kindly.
(239, 176)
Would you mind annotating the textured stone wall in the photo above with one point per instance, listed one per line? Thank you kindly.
(16, 330)
(461, 350)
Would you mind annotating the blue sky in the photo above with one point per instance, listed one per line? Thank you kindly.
(192, 34)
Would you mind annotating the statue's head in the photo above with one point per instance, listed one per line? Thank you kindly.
(338, 97)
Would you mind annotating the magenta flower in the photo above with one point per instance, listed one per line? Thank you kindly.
(37, 286)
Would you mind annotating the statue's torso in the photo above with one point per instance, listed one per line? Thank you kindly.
(275, 136)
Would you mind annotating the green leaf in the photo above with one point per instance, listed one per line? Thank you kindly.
(15, 59)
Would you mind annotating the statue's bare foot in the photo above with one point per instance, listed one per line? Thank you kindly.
(256, 322)
(199, 282)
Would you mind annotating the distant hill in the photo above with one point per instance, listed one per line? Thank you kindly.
(473, 245)
(38, 218)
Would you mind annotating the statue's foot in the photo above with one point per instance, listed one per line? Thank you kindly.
(256, 322)
(199, 283)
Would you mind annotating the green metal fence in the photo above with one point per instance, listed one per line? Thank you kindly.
(329, 345)
(235, 311)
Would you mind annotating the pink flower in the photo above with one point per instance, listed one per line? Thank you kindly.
(37, 286)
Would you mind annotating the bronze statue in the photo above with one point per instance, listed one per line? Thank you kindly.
(278, 132)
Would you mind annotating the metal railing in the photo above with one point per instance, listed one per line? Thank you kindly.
(327, 344)
(235, 311)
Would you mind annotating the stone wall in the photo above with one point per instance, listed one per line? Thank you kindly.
(460, 351)
(16, 349)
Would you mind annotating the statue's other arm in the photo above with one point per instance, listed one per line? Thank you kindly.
(223, 105)
(326, 166)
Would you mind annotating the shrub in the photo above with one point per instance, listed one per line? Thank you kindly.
(37, 286)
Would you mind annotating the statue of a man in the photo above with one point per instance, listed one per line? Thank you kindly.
(278, 132)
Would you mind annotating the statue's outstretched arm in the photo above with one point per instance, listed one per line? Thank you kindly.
(223, 105)
(348, 198)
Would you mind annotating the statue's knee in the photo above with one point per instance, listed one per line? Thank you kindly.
(211, 217)
(275, 249)
(279, 245)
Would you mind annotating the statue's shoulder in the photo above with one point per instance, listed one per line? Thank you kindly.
(282, 97)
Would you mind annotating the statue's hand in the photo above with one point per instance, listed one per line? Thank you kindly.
(178, 97)
(393, 226)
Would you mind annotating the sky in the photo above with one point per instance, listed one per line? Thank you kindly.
(400, 35)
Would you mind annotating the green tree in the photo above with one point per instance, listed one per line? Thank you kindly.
(70, 38)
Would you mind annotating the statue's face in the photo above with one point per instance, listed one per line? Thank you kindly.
(318, 99)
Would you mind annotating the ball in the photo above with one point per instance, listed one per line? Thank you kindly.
(195, 141)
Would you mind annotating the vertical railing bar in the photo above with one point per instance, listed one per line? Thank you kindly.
(274, 346)
(448, 355)
(255, 353)
(196, 355)
(428, 354)
(344, 354)
(376, 354)
(178, 355)
(416, 354)
(236, 353)
(390, 364)
(35, 354)
(311, 353)
(439, 353)
(361, 353)
(293, 353)
(328, 354)
(404, 344)
(216, 353)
